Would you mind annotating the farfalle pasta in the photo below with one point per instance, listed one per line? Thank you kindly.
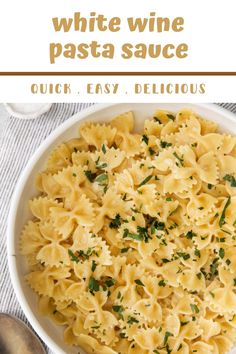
(132, 244)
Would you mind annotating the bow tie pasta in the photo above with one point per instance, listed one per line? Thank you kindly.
(132, 244)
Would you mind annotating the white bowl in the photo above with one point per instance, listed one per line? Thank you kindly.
(25, 190)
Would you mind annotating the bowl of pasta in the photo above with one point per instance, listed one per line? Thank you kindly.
(121, 236)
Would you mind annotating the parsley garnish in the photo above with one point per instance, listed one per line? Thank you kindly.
(162, 283)
(151, 151)
(133, 236)
(165, 144)
(197, 253)
(86, 254)
(214, 267)
(222, 218)
(180, 346)
(183, 255)
(110, 282)
(190, 235)
(73, 257)
(167, 335)
(100, 166)
(146, 180)
(157, 120)
(194, 308)
(145, 139)
(94, 266)
(139, 282)
(170, 116)
(118, 309)
(90, 175)
(131, 320)
(143, 231)
(142, 234)
(115, 223)
(221, 253)
(157, 225)
(180, 159)
(124, 250)
(104, 148)
(93, 285)
(102, 179)
(231, 179)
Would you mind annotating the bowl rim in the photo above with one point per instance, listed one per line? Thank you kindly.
(14, 203)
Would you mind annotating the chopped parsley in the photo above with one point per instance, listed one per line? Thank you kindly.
(157, 120)
(151, 151)
(222, 217)
(190, 235)
(99, 165)
(146, 180)
(131, 235)
(142, 234)
(110, 282)
(180, 159)
(104, 148)
(157, 225)
(221, 253)
(167, 335)
(180, 347)
(124, 250)
(86, 254)
(197, 253)
(214, 268)
(119, 310)
(102, 179)
(162, 283)
(131, 320)
(171, 117)
(145, 139)
(173, 226)
(209, 186)
(183, 255)
(194, 308)
(231, 179)
(169, 199)
(220, 239)
(94, 265)
(73, 257)
(139, 282)
(116, 222)
(165, 144)
(90, 175)
(93, 285)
